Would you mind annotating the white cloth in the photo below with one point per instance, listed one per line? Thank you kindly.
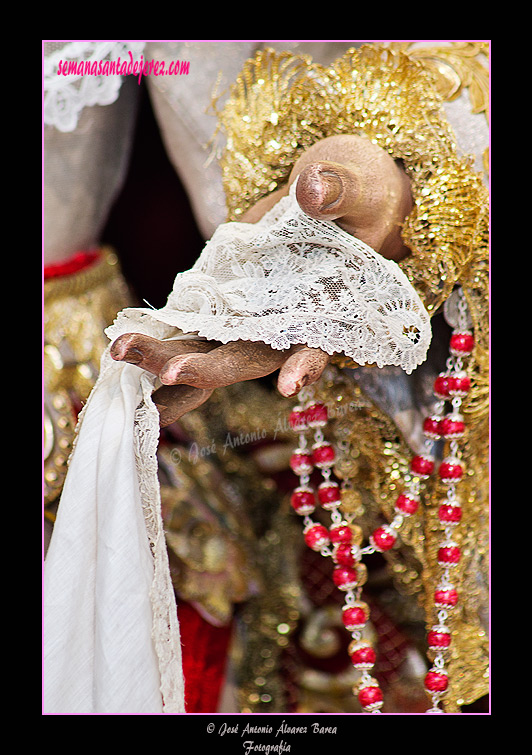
(290, 279)
(111, 639)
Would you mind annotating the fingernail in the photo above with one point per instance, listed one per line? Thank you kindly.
(174, 375)
(133, 356)
(331, 189)
(289, 389)
(126, 354)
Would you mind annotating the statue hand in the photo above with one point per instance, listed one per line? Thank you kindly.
(191, 369)
(343, 178)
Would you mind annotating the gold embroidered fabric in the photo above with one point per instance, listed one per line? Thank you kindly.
(232, 547)
(210, 539)
(280, 105)
(77, 308)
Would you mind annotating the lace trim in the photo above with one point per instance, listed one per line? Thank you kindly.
(66, 96)
(290, 279)
(165, 631)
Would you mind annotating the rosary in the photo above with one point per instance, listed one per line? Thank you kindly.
(342, 540)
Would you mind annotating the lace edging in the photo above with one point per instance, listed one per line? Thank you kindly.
(165, 632)
(65, 97)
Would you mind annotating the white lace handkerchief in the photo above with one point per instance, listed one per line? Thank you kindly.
(290, 279)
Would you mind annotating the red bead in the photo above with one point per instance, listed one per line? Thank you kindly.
(301, 462)
(452, 426)
(441, 386)
(298, 419)
(323, 455)
(449, 514)
(316, 536)
(462, 344)
(450, 470)
(362, 655)
(459, 384)
(345, 578)
(383, 539)
(449, 555)
(303, 501)
(447, 598)
(370, 697)
(341, 533)
(422, 466)
(407, 504)
(355, 616)
(431, 427)
(436, 681)
(316, 415)
(343, 555)
(329, 495)
(438, 639)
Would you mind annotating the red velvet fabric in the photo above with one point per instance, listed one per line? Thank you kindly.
(74, 264)
(204, 649)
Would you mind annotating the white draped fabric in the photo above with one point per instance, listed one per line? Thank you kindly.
(111, 640)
